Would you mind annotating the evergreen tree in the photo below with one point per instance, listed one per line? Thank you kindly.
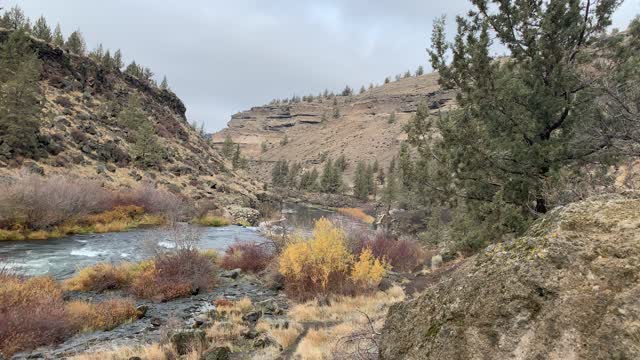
(135, 70)
(380, 177)
(336, 112)
(407, 74)
(164, 85)
(41, 30)
(14, 19)
(387, 80)
(132, 116)
(264, 147)
(97, 54)
(146, 149)
(20, 97)
(227, 147)
(76, 44)
(521, 122)
(362, 89)
(331, 179)
(420, 71)
(292, 176)
(107, 60)
(280, 173)
(360, 183)
(58, 38)
(347, 91)
(390, 191)
(308, 180)
(237, 158)
(371, 183)
(341, 163)
(117, 60)
(405, 167)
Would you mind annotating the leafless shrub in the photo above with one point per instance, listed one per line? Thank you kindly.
(158, 201)
(39, 202)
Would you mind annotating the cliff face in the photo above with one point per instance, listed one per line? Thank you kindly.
(569, 289)
(81, 135)
(362, 130)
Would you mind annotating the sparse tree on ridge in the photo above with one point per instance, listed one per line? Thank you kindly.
(227, 147)
(76, 44)
(41, 30)
(420, 71)
(58, 38)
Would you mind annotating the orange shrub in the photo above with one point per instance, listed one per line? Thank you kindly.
(357, 213)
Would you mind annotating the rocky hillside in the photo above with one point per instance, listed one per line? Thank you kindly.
(361, 131)
(81, 135)
(569, 289)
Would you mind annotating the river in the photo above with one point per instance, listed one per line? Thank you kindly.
(61, 258)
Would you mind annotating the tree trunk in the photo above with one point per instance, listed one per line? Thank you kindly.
(541, 206)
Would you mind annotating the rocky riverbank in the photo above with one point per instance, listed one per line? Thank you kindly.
(159, 319)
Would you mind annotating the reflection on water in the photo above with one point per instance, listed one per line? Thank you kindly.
(60, 258)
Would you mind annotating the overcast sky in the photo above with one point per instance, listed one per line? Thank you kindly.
(222, 57)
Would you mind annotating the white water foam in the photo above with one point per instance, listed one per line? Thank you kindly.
(167, 244)
(86, 252)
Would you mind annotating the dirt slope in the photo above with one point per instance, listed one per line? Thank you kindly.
(81, 134)
(361, 132)
(570, 289)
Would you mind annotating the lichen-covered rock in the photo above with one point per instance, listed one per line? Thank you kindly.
(569, 289)
(243, 215)
(185, 340)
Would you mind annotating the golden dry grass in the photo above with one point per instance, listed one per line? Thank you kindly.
(149, 352)
(357, 213)
(348, 314)
(284, 337)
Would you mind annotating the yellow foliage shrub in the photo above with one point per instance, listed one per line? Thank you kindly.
(368, 271)
(119, 213)
(311, 266)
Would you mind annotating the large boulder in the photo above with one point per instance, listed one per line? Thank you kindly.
(569, 289)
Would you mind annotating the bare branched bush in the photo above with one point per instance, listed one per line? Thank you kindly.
(39, 202)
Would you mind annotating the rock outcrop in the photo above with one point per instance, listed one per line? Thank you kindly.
(569, 289)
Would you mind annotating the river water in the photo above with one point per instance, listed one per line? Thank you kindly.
(60, 258)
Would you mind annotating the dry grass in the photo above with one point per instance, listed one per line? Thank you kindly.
(213, 221)
(104, 315)
(285, 337)
(357, 320)
(149, 352)
(357, 213)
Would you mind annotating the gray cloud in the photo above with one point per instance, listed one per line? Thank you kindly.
(225, 56)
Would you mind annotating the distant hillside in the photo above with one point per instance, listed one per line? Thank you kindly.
(81, 135)
(361, 131)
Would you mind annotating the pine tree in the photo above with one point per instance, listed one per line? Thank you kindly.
(107, 60)
(58, 38)
(405, 167)
(117, 60)
(97, 53)
(146, 149)
(331, 179)
(347, 91)
(75, 43)
(392, 118)
(134, 69)
(41, 30)
(407, 74)
(387, 80)
(227, 147)
(380, 177)
(20, 97)
(284, 141)
(164, 85)
(280, 173)
(15, 19)
(237, 158)
(420, 71)
(341, 163)
(521, 122)
(308, 180)
(390, 191)
(361, 184)
(362, 89)
(132, 117)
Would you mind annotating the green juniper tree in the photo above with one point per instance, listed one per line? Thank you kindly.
(76, 44)
(58, 38)
(361, 187)
(41, 30)
(521, 120)
(420, 71)
(147, 151)
(308, 180)
(164, 85)
(20, 97)
(280, 173)
(227, 147)
(132, 115)
(15, 19)
(117, 60)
